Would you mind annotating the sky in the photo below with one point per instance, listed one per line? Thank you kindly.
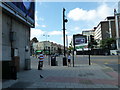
(80, 15)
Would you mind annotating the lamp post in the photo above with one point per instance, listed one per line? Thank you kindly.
(117, 15)
(45, 35)
(64, 21)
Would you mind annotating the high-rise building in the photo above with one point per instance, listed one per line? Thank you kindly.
(105, 29)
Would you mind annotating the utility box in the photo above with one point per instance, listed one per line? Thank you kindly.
(27, 64)
(53, 61)
(16, 62)
(64, 61)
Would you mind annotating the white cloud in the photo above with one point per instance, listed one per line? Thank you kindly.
(41, 19)
(101, 12)
(36, 24)
(77, 28)
(43, 25)
(36, 33)
(37, 20)
(69, 39)
(55, 33)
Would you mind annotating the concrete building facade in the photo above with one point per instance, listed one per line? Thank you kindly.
(105, 29)
(88, 33)
(47, 45)
(21, 39)
(15, 39)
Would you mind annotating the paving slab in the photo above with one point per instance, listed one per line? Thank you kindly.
(80, 76)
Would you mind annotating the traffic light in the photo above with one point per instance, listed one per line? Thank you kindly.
(91, 38)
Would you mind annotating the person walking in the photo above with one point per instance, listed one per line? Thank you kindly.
(69, 60)
(41, 59)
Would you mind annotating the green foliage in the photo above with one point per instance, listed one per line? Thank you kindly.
(106, 44)
(59, 50)
(35, 40)
(70, 47)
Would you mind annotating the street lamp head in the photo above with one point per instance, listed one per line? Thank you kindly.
(66, 20)
(63, 9)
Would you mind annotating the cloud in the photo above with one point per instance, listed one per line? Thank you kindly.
(55, 33)
(43, 25)
(80, 14)
(37, 20)
(77, 28)
(36, 33)
(41, 19)
(69, 39)
(100, 12)
(36, 17)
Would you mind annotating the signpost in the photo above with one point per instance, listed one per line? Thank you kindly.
(79, 43)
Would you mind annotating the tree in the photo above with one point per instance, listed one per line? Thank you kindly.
(59, 50)
(70, 47)
(35, 40)
(107, 43)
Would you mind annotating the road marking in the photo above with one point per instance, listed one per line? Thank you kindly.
(106, 63)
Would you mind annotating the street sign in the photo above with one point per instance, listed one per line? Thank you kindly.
(39, 50)
(80, 42)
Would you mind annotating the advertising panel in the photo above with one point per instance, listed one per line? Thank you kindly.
(26, 10)
(80, 42)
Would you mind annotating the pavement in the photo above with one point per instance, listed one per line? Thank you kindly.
(82, 76)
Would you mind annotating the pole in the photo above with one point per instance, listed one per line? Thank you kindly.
(73, 48)
(89, 50)
(67, 41)
(89, 58)
(64, 29)
(49, 56)
(117, 30)
(73, 58)
(110, 29)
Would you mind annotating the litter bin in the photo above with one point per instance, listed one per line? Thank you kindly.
(53, 61)
(64, 61)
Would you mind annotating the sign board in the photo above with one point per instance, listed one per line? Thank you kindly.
(23, 10)
(80, 42)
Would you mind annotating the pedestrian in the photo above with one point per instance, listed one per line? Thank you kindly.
(69, 60)
(41, 59)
